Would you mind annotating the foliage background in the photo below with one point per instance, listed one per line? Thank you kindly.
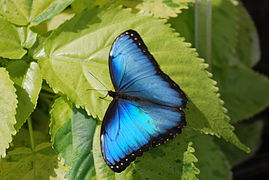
(258, 166)
(47, 134)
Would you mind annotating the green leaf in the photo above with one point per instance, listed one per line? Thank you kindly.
(189, 170)
(251, 135)
(8, 103)
(28, 81)
(164, 8)
(247, 47)
(212, 163)
(224, 32)
(72, 132)
(74, 60)
(31, 12)
(24, 163)
(54, 22)
(244, 91)
(157, 8)
(14, 40)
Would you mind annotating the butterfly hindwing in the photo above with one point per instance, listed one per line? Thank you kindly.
(129, 128)
(135, 72)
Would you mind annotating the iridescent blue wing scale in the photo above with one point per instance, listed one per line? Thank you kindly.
(135, 72)
(150, 113)
(130, 128)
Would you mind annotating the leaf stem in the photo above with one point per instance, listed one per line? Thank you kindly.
(203, 26)
(30, 128)
(45, 87)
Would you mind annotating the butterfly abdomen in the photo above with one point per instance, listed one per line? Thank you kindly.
(118, 95)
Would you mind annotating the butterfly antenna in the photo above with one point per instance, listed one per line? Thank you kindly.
(99, 81)
(97, 89)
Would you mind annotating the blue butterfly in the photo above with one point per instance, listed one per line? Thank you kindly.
(147, 104)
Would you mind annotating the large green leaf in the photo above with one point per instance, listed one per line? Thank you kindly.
(31, 12)
(8, 103)
(74, 61)
(164, 8)
(244, 91)
(24, 163)
(72, 135)
(28, 81)
(14, 40)
(157, 8)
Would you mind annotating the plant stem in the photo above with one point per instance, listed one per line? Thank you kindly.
(203, 18)
(30, 128)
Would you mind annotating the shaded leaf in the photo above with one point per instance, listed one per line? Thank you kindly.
(24, 163)
(8, 103)
(248, 47)
(224, 30)
(244, 91)
(28, 81)
(250, 134)
(22, 139)
(72, 139)
(212, 163)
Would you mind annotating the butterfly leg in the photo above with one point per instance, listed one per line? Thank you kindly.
(104, 96)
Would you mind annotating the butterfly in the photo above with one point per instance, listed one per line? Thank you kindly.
(147, 104)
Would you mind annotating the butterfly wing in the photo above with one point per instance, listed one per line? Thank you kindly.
(129, 128)
(135, 72)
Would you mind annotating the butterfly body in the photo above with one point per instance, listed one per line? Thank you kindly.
(118, 95)
(147, 104)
